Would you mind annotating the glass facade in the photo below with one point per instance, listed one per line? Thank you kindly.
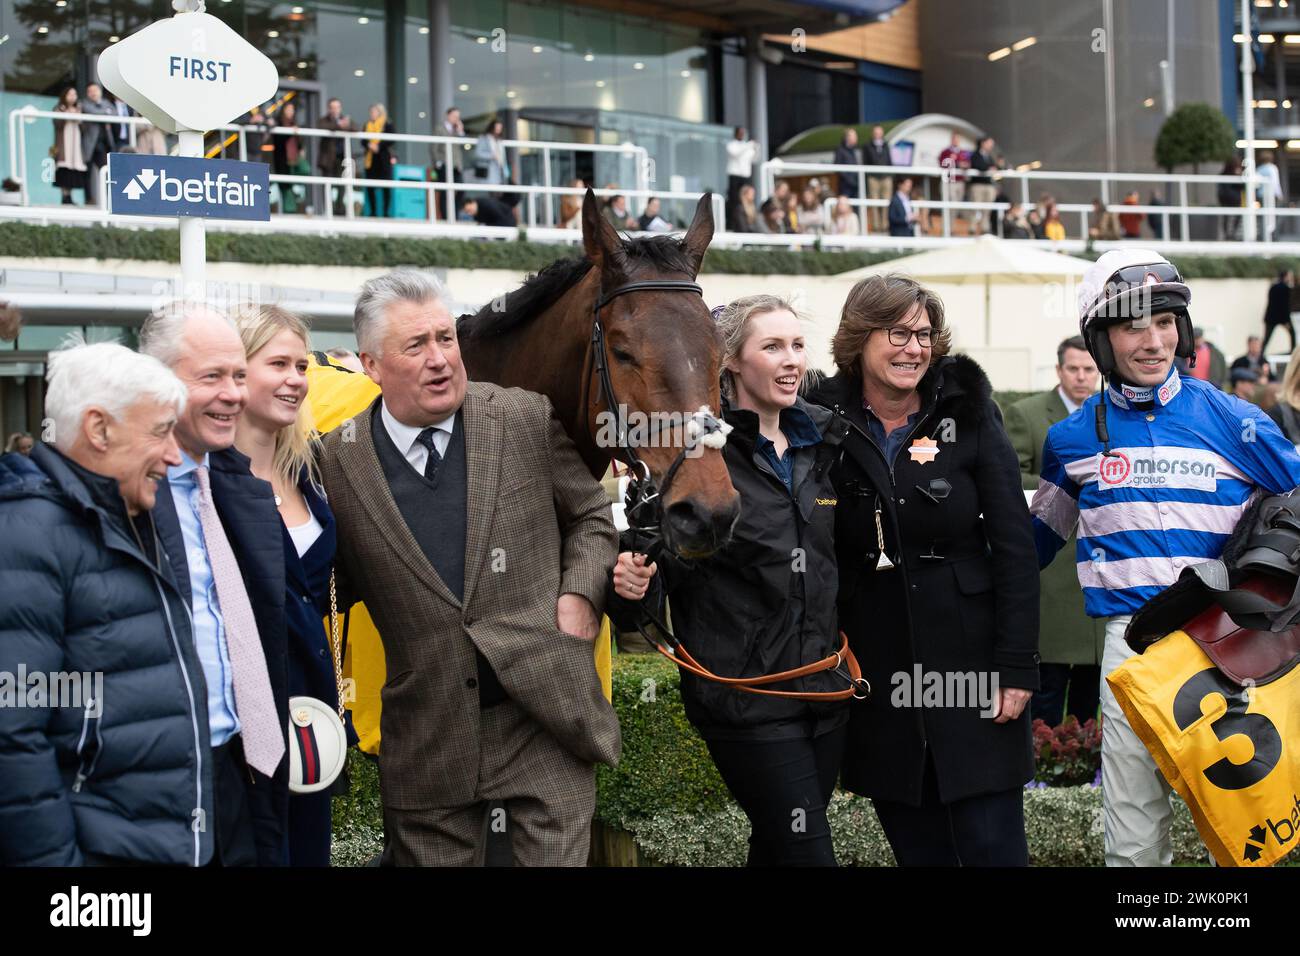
(511, 54)
(507, 56)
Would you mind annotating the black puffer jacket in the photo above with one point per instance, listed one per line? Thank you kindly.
(962, 599)
(126, 776)
(765, 602)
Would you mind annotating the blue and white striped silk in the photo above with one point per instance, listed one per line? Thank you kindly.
(1183, 472)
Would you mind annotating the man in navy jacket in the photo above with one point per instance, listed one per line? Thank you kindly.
(251, 778)
(902, 220)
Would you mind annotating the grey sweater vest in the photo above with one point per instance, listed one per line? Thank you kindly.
(436, 512)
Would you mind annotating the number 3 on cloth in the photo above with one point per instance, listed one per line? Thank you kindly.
(1225, 774)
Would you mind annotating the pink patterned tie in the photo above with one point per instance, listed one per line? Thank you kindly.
(254, 702)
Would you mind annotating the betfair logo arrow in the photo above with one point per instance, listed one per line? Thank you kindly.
(140, 185)
(1258, 835)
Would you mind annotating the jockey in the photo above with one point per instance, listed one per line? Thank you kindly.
(1155, 472)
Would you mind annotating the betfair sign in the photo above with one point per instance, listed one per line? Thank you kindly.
(183, 186)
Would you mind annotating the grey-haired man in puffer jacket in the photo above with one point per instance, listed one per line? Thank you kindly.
(103, 724)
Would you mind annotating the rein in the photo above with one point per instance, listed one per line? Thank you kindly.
(644, 509)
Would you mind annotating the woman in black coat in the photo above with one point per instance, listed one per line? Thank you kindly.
(274, 437)
(289, 158)
(765, 603)
(928, 470)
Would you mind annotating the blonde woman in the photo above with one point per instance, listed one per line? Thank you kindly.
(379, 161)
(844, 222)
(275, 433)
(748, 610)
(1286, 413)
(571, 208)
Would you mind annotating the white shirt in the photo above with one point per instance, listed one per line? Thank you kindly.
(1070, 407)
(305, 535)
(404, 437)
(1272, 180)
(741, 155)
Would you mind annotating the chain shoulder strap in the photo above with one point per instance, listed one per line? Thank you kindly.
(336, 644)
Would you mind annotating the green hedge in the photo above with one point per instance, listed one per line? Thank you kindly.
(359, 816)
(665, 765)
(99, 242)
(1062, 828)
(667, 794)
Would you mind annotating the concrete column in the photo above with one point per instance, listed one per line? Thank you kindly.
(442, 92)
(1279, 73)
(395, 67)
(756, 97)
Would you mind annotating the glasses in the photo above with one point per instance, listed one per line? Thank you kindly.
(899, 336)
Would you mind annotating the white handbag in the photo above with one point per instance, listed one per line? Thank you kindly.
(318, 742)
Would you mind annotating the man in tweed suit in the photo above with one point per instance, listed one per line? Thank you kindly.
(481, 546)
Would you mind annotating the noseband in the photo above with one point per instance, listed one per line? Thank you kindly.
(644, 503)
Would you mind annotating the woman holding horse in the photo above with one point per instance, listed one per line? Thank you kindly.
(765, 602)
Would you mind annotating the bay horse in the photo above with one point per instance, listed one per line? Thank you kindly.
(660, 348)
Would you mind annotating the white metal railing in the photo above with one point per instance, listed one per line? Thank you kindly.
(1265, 212)
(538, 213)
(421, 229)
(1084, 211)
(21, 117)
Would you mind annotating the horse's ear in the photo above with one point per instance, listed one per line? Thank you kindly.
(599, 239)
(700, 234)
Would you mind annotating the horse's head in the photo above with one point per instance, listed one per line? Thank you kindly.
(664, 357)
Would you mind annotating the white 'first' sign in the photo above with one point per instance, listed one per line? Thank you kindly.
(188, 72)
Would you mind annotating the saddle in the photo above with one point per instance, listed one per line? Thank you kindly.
(1243, 610)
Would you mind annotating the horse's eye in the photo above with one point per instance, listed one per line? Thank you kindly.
(623, 357)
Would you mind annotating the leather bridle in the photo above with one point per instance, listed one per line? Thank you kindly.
(644, 502)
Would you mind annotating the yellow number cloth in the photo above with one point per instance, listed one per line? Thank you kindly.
(1232, 753)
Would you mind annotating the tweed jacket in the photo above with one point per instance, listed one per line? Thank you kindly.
(1066, 634)
(538, 526)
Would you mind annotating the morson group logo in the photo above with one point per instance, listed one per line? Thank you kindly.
(1159, 467)
(1114, 469)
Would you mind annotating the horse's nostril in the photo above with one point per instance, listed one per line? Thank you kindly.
(698, 529)
(685, 520)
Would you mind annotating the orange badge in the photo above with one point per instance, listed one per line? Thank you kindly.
(924, 449)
